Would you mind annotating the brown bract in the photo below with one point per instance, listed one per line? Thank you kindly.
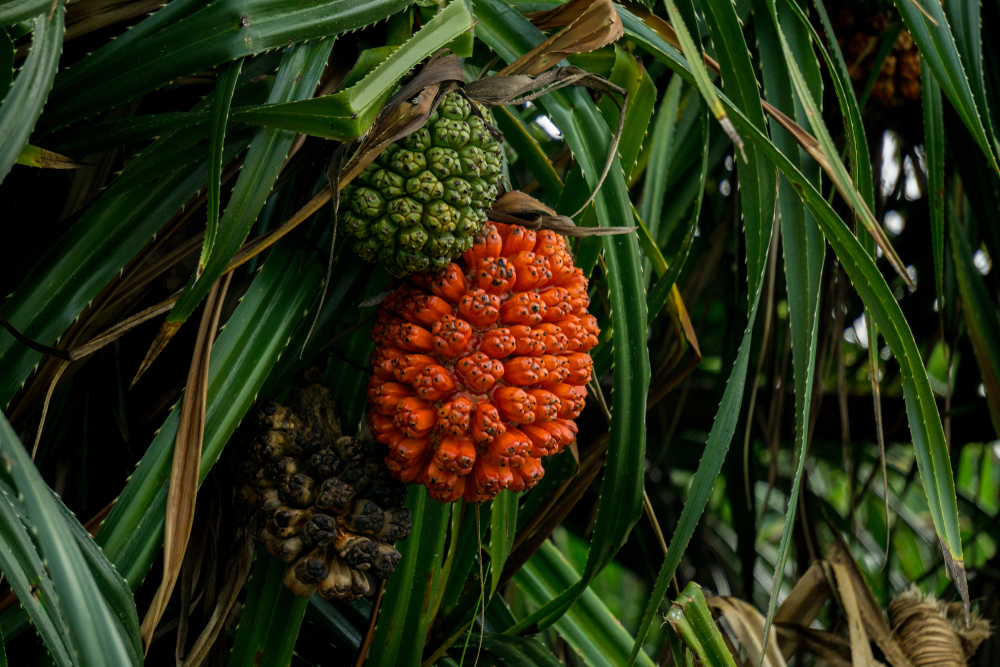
(590, 24)
(517, 208)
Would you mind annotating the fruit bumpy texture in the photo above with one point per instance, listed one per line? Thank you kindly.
(480, 369)
(422, 201)
(323, 503)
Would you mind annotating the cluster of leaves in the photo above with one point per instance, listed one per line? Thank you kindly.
(200, 141)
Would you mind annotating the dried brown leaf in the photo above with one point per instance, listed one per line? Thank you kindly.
(236, 576)
(870, 612)
(564, 14)
(861, 650)
(43, 159)
(518, 208)
(595, 24)
(748, 625)
(802, 605)
(827, 646)
(183, 490)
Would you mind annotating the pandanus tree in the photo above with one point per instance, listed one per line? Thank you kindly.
(530, 333)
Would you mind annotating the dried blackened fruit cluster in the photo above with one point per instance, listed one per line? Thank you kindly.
(480, 369)
(323, 502)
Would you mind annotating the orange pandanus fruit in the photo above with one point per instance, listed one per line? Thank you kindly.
(480, 369)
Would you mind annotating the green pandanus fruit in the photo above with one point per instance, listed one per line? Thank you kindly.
(423, 200)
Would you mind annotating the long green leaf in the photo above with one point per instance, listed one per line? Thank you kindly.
(15, 11)
(857, 144)
(588, 627)
(803, 245)
(661, 149)
(965, 21)
(629, 73)
(938, 50)
(23, 103)
(113, 587)
(24, 570)
(402, 624)
(693, 52)
(225, 86)
(980, 318)
(924, 419)
(298, 74)
(934, 148)
(183, 41)
(271, 616)
(349, 113)
(510, 35)
(109, 581)
(252, 89)
(837, 171)
(242, 357)
(758, 187)
(517, 651)
(94, 249)
(757, 177)
(93, 637)
(660, 291)
(503, 526)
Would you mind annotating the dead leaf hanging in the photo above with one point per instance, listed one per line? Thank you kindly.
(186, 467)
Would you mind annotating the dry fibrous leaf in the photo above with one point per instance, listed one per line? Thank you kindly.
(803, 604)
(861, 650)
(518, 208)
(591, 25)
(845, 569)
(748, 625)
(933, 632)
(183, 489)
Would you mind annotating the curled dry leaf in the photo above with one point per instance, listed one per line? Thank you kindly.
(406, 111)
(518, 208)
(590, 24)
(748, 625)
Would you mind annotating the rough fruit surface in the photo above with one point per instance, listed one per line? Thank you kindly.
(322, 502)
(480, 369)
(422, 201)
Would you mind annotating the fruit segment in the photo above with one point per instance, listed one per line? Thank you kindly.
(480, 368)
